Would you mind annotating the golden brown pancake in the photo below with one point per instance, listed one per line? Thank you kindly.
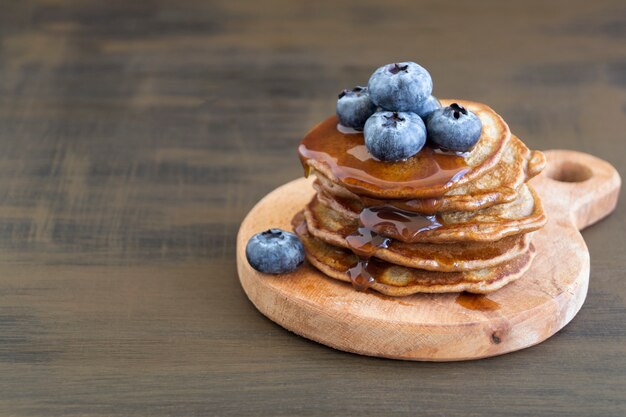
(344, 159)
(398, 280)
(497, 186)
(524, 214)
(446, 257)
(436, 222)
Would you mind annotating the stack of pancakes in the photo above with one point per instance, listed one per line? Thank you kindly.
(436, 222)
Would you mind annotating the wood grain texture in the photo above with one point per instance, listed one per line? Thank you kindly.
(577, 191)
(136, 135)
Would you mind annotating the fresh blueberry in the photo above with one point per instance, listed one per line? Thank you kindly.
(400, 86)
(454, 128)
(275, 251)
(426, 107)
(394, 136)
(354, 107)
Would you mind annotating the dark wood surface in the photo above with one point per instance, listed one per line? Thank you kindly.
(136, 135)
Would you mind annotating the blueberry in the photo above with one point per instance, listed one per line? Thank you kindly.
(394, 136)
(275, 251)
(454, 128)
(400, 86)
(354, 107)
(426, 107)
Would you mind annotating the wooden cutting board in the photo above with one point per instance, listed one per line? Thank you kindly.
(577, 190)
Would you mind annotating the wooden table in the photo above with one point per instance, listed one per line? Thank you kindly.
(134, 137)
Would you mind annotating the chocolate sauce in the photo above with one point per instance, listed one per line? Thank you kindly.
(345, 155)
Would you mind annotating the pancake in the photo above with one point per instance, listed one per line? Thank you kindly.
(524, 214)
(446, 257)
(395, 280)
(436, 222)
(344, 159)
(500, 185)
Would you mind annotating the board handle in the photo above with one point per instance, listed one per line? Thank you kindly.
(587, 187)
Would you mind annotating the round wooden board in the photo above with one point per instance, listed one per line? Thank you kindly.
(577, 190)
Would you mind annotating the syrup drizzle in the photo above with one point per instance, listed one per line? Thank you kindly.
(344, 153)
(347, 130)
(360, 276)
(477, 302)
(365, 241)
(417, 205)
(396, 222)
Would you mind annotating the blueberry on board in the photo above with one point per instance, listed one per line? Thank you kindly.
(454, 128)
(394, 136)
(354, 107)
(400, 86)
(426, 107)
(275, 251)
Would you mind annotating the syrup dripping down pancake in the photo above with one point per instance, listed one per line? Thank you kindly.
(344, 159)
(446, 257)
(396, 280)
(499, 185)
(523, 215)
